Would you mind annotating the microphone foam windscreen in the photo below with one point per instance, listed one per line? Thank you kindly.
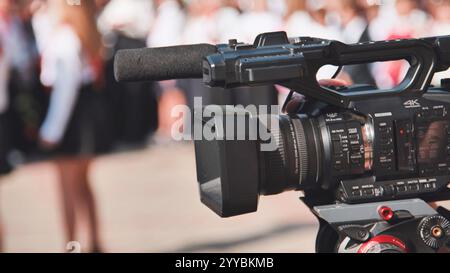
(163, 63)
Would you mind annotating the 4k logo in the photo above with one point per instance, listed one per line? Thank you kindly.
(411, 103)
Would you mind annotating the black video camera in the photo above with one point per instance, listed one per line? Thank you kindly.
(367, 160)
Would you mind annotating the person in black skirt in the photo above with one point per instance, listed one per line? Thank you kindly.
(76, 126)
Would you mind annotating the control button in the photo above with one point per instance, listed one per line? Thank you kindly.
(356, 148)
(413, 187)
(335, 137)
(401, 188)
(438, 112)
(356, 161)
(426, 113)
(368, 192)
(386, 166)
(388, 190)
(337, 166)
(427, 186)
(356, 193)
(337, 147)
(382, 127)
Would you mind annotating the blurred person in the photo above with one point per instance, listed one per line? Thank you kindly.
(134, 105)
(404, 21)
(227, 20)
(307, 18)
(352, 23)
(167, 26)
(167, 30)
(4, 126)
(410, 19)
(29, 101)
(256, 19)
(440, 17)
(131, 17)
(354, 29)
(439, 24)
(75, 128)
(43, 22)
(18, 61)
(211, 22)
(201, 27)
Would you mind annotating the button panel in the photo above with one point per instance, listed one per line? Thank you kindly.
(347, 148)
(385, 138)
(365, 189)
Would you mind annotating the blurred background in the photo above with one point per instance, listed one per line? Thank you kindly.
(85, 159)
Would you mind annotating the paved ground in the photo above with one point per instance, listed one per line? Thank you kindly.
(148, 202)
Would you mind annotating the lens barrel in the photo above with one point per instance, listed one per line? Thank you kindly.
(294, 164)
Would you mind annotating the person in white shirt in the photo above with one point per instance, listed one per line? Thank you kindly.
(71, 67)
(302, 18)
(439, 24)
(401, 19)
(354, 28)
(256, 19)
(133, 18)
(168, 24)
(167, 30)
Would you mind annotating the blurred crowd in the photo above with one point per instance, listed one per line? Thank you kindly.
(59, 100)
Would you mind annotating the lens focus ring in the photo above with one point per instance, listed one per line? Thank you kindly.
(302, 150)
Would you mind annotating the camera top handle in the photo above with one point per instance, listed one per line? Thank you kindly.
(294, 64)
(274, 59)
(424, 56)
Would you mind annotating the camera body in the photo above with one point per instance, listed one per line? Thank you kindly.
(353, 146)
(359, 143)
(368, 161)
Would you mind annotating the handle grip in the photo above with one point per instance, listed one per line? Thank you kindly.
(420, 54)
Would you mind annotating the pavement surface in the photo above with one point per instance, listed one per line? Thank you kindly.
(148, 201)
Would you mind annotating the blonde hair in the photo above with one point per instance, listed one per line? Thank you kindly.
(82, 18)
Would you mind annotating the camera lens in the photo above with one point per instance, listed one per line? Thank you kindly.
(294, 164)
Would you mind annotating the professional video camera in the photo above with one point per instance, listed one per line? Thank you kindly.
(369, 161)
